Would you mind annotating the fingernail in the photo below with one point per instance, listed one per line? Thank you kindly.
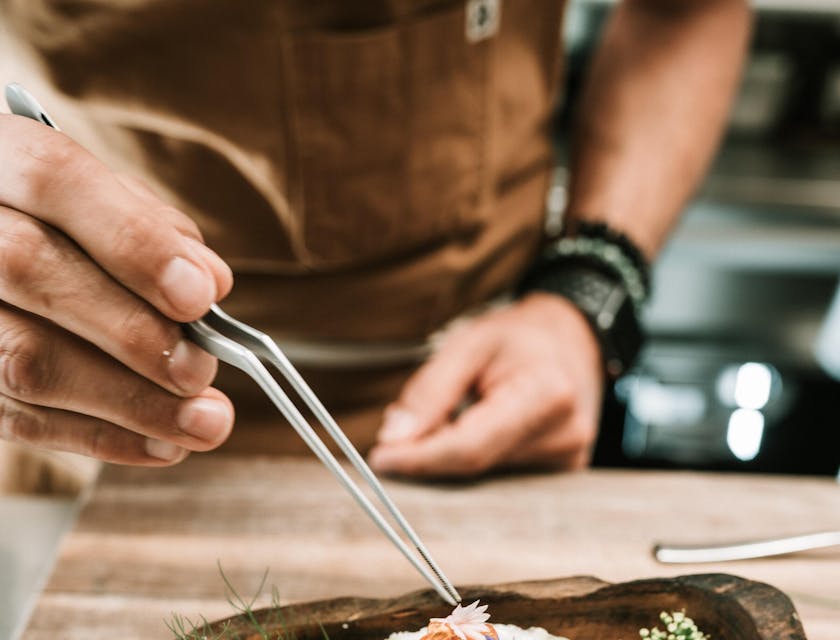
(163, 450)
(187, 288)
(191, 368)
(223, 273)
(399, 424)
(206, 419)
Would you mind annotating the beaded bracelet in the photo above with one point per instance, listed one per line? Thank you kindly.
(602, 248)
(601, 252)
(599, 230)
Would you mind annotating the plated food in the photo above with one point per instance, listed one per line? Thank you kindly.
(471, 623)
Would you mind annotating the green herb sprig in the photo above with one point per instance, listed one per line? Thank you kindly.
(183, 628)
(678, 626)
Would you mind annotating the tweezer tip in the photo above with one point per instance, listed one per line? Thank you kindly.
(454, 597)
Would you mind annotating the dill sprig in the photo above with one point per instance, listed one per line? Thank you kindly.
(183, 628)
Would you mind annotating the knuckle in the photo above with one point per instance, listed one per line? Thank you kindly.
(19, 425)
(140, 335)
(149, 410)
(98, 443)
(138, 407)
(45, 157)
(25, 362)
(131, 238)
(23, 254)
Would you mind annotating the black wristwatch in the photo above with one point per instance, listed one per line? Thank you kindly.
(605, 276)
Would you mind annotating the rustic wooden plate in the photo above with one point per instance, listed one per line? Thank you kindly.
(724, 606)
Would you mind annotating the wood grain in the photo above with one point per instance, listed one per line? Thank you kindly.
(148, 541)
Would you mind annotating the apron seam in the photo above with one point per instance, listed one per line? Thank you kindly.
(294, 180)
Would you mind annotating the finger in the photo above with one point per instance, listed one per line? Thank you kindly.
(481, 437)
(66, 431)
(144, 191)
(45, 273)
(43, 173)
(43, 365)
(565, 444)
(438, 388)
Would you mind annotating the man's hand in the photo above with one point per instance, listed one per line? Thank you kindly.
(533, 374)
(95, 275)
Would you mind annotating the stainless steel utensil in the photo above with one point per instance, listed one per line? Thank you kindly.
(673, 554)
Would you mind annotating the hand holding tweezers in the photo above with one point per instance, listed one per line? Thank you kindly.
(246, 348)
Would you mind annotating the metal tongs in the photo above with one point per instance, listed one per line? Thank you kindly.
(246, 348)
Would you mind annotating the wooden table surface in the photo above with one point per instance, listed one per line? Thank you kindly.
(148, 541)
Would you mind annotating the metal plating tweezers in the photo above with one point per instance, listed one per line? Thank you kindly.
(246, 348)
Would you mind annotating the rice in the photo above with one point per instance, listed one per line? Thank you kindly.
(505, 631)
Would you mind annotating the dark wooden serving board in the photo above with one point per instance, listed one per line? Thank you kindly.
(724, 606)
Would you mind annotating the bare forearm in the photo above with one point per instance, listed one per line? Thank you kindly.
(656, 102)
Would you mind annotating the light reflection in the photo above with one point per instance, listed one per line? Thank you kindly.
(744, 433)
(752, 385)
(666, 405)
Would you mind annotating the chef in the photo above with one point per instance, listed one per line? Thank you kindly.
(373, 178)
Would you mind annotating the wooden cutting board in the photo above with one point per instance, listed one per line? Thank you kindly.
(723, 606)
(149, 542)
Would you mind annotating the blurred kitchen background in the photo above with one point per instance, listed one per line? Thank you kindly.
(736, 374)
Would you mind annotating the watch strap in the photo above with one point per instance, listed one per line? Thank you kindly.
(605, 303)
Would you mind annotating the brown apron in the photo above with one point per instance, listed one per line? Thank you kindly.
(368, 170)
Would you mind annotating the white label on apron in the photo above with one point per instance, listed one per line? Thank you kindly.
(483, 17)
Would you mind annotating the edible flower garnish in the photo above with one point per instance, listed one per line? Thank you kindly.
(464, 623)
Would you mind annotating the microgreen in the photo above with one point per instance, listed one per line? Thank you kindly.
(677, 627)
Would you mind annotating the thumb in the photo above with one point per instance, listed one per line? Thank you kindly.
(438, 388)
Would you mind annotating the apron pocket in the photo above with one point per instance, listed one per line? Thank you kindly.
(388, 133)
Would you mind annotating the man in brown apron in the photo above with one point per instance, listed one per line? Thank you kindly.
(369, 171)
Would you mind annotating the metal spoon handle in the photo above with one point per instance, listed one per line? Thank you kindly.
(673, 554)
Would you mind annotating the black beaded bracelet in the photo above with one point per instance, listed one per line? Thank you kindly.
(601, 248)
(601, 230)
